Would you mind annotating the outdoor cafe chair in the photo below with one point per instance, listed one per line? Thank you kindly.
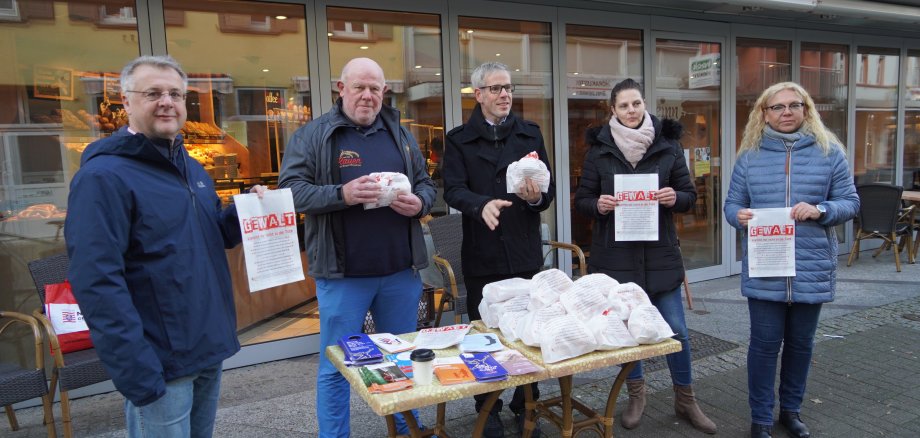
(882, 217)
(19, 384)
(71, 370)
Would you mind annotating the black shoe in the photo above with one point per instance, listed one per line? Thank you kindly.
(761, 431)
(794, 424)
(519, 419)
(494, 427)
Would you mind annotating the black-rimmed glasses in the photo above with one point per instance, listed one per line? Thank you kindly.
(497, 89)
(780, 108)
(156, 95)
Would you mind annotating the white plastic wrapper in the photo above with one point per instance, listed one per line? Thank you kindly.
(506, 289)
(508, 324)
(610, 333)
(546, 288)
(485, 314)
(565, 337)
(632, 295)
(604, 282)
(616, 306)
(647, 326)
(532, 326)
(496, 310)
(528, 167)
(392, 184)
(584, 301)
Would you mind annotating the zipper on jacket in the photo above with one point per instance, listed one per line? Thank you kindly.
(788, 201)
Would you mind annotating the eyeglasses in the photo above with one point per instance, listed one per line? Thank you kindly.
(156, 95)
(497, 89)
(780, 108)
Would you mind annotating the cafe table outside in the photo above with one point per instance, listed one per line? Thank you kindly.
(559, 410)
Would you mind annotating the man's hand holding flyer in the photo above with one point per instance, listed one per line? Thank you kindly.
(771, 243)
(269, 227)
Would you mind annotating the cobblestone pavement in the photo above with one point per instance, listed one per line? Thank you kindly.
(865, 379)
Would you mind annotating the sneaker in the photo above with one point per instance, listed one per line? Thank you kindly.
(494, 427)
(519, 420)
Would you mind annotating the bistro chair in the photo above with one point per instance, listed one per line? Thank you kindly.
(882, 217)
(20, 384)
(71, 370)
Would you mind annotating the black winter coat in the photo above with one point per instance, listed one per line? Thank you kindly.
(476, 158)
(655, 266)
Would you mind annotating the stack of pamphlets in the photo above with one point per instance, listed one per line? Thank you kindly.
(384, 377)
(484, 367)
(452, 370)
(391, 343)
(437, 338)
(481, 343)
(359, 350)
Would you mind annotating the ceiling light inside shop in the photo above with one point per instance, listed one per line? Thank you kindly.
(469, 31)
(439, 74)
(576, 73)
(281, 17)
(498, 54)
(265, 70)
(418, 66)
(466, 90)
(364, 47)
(328, 33)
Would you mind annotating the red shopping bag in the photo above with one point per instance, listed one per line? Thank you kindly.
(66, 319)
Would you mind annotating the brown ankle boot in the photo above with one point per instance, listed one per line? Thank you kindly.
(685, 406)
(633, 412)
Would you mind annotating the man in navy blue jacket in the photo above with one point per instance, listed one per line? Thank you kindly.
(146, 235)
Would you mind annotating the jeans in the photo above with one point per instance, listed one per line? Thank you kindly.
(672, 309)
(186, 410)
(343, 303)
(774, 325)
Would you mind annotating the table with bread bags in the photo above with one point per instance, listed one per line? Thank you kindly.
(563, 327)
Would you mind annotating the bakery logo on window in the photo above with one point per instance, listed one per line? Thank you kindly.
(349, 159)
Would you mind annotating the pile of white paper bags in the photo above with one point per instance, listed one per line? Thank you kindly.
(567, 319)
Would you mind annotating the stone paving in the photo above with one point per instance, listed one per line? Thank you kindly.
(865, 380)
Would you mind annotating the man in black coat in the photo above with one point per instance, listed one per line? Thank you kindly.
(501, 231)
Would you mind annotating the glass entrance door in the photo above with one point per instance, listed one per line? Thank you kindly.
(687, 87)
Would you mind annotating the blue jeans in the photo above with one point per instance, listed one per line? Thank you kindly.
(774, 325)
(186, 410)
(672, 309)
(343, 303)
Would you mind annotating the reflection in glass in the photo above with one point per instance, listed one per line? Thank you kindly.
(761, 63)
(55, 56)
(876, 115)
(408, 48)
(526, 48)
(824, 74)
(912, 122)
(597, 58)
(688, 77)
(248, 93)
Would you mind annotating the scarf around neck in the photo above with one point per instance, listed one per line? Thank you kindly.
(633, 142)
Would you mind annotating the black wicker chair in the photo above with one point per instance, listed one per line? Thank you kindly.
(881, 217)
(71, 370)
(447, 235)
(20, 384)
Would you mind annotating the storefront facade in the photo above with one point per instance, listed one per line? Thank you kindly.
(260, 70)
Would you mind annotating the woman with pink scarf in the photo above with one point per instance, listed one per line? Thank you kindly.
(636, 142)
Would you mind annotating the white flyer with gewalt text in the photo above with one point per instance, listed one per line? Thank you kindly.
(771, 243)
(269, 227)
(636, 214)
